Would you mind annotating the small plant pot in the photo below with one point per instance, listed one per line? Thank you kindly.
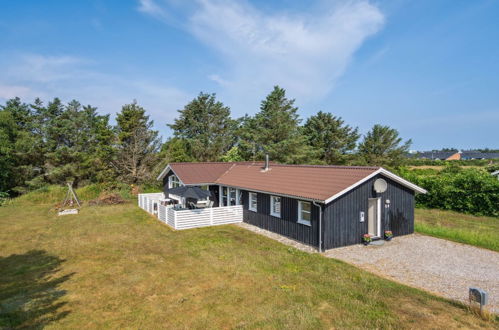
(366, 243)
(388, 238)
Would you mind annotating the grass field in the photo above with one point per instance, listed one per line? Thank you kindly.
(117, 267)
(458, 227)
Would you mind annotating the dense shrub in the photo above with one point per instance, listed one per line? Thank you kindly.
(3, 197)
(472, 191)
(438, 162)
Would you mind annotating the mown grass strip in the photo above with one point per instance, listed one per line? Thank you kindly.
(473, 230)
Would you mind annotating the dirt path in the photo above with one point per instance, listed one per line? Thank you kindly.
(436, 265)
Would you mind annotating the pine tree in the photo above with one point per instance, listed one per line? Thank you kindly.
(137, 144)
(382, 146)
(205, 125)
(7, 150)
(17, 136)
(77, 139)
(275, 130)
(233, 155)
(330, 137)
(175, 150)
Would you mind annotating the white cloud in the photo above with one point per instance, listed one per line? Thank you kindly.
(305, 53)
(32, 75)
(150, 7)
(11, 91)
(219, 80)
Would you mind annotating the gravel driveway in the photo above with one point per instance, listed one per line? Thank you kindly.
(436, 265)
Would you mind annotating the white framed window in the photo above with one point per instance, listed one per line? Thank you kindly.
(173, 181)
(230, 196)
(253, 202)
(304, 213)
(225, 196)
(233, 196)
(239, 199)
(275, 206)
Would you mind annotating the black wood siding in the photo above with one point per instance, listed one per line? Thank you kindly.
(341, 218)
(342, 224)
(287, 225)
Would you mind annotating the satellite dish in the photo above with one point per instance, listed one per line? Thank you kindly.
(380, 186)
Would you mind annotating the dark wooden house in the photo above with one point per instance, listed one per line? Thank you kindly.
(322, 206)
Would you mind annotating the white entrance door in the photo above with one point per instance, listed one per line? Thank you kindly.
(374, 217)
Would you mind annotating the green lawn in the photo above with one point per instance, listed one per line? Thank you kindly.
(117, 267)
(458, 227)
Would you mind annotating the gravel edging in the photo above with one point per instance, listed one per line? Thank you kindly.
(436, 265)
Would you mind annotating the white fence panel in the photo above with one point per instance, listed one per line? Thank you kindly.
(150, 202)
(193, 218)
(187, 219)
(149, 205)
(162, 212)
(171, 217)
(208, 217)
(226, 215)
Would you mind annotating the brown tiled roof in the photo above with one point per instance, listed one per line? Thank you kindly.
(314, 182)
(192, 173)
(209, 172)
(306, 181)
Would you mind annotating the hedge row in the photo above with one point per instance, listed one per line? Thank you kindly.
(472, 191)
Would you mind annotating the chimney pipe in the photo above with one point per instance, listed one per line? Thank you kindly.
(266, 168)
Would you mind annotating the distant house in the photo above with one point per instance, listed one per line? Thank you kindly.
(466, 155)
(452, 155)
(322, 206)
(434, 155)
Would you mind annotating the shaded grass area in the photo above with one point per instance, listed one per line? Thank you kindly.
(116, 266)
(29, 289)
(478, 231)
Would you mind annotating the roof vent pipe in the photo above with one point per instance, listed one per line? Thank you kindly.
(266, 167)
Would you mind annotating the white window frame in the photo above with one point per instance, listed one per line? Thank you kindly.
(301, 210)
(232, 198)
(272, 203)
(224, 201)
(250, 197)
(173, 181)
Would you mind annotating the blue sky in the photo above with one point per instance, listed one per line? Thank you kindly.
(428, 68)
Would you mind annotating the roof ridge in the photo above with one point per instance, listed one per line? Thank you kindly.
(350, 167)
(239, 162)
(257, 162)
(228, 170)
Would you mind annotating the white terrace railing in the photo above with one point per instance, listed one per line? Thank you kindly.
(150, 202)
(186, 219)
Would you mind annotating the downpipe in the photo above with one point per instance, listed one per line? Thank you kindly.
(320, 225)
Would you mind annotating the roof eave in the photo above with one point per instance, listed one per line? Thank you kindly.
(165, 171)
(384, 172)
